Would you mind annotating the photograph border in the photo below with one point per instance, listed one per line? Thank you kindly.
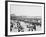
(6, 18)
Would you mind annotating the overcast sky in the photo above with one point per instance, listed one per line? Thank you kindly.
(23, 10)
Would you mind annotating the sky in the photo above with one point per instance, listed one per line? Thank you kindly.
(26, 10)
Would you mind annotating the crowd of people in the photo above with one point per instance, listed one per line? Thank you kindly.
(19, 24)
(22, 26)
